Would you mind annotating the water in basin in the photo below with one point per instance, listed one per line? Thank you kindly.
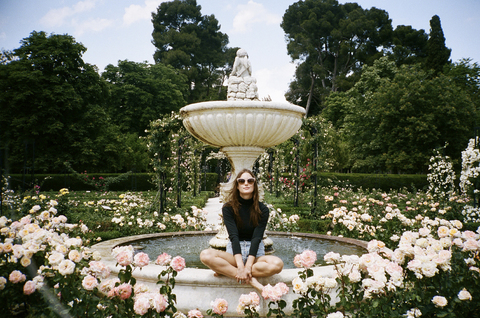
(285, 247)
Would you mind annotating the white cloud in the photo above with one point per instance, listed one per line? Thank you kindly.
(252, 13)
(95, 25)
(274, 82)
(57, 17)
(137, 12)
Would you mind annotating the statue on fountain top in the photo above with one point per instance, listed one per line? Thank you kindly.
(241, 84)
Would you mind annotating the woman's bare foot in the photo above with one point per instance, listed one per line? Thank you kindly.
(256, 284)
(217, 274)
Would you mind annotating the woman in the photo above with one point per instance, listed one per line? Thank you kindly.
(245, 219)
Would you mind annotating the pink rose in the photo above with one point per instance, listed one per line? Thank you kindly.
(195, 313)
(125, 258)
(282, 287)
(17, 277)
(251, 299)
(29, 287)
(274, 293)
(124, 291)
(89, 282)
(266, 291)
(469, 235)
(271, 292)
(255, 299)
(178, 263)
(471, 245)
(99, 269)
(159, 302)
(245, 300)
(297, 261)
(112, 292)
(220, 306)
(141, 259)
(163, 259)
(141, 305)
(306, 259)
(107, 285)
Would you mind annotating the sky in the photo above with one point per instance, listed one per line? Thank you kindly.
(114, 30)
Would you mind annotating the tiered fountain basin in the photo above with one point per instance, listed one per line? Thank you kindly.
(196, 287)
(242, 129)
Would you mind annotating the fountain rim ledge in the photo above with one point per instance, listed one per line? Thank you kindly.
(241, 105)
(204, 277)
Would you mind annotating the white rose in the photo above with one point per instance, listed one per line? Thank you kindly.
(439, 301)
(464, 295)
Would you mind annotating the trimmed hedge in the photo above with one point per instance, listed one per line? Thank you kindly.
(385, 182)
(134, 182)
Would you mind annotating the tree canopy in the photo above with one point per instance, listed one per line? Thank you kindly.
(140, 93)
(398, 115)
(438, 54)
(52, 108)
(192, 43)
(409, 45)
(332, 41)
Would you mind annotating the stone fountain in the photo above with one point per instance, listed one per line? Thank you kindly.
(242, 126)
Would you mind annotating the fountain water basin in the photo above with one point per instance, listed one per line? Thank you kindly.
(196, 288)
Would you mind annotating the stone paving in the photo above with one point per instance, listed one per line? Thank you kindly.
(214, 208)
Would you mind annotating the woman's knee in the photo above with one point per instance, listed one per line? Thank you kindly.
(277, 265)
(206, 256)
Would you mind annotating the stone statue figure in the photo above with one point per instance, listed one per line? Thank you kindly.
(242, 66)
(241, 84)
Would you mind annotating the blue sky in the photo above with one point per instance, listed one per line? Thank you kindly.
(114, 30)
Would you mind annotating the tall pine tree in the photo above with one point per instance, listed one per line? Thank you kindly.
(438, 54)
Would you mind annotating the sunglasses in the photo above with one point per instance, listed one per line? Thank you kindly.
(249, 181)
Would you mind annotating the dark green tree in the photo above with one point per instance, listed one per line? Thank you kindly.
(140, 93)
(399, 115)
(466, 75)
(52, 103)
(438, 55)
(332, 41)
(192, 43)
(409, 45)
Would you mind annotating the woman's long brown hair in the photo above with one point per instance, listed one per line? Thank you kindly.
(233, 196)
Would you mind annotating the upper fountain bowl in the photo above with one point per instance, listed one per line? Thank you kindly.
(261, 124)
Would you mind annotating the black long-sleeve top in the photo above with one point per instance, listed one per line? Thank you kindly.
(245, 232)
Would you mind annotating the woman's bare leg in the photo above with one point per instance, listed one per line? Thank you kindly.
(267, 265)
(223, 263)
(220, 262)
(256, 284)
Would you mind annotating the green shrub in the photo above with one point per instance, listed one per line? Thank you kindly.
(134, 182)
(313, 226)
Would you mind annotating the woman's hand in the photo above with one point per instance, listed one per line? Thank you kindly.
(243, 275)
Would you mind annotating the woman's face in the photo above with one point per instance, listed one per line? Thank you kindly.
(245, 187)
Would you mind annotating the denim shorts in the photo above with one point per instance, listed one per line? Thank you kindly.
(245, 246)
